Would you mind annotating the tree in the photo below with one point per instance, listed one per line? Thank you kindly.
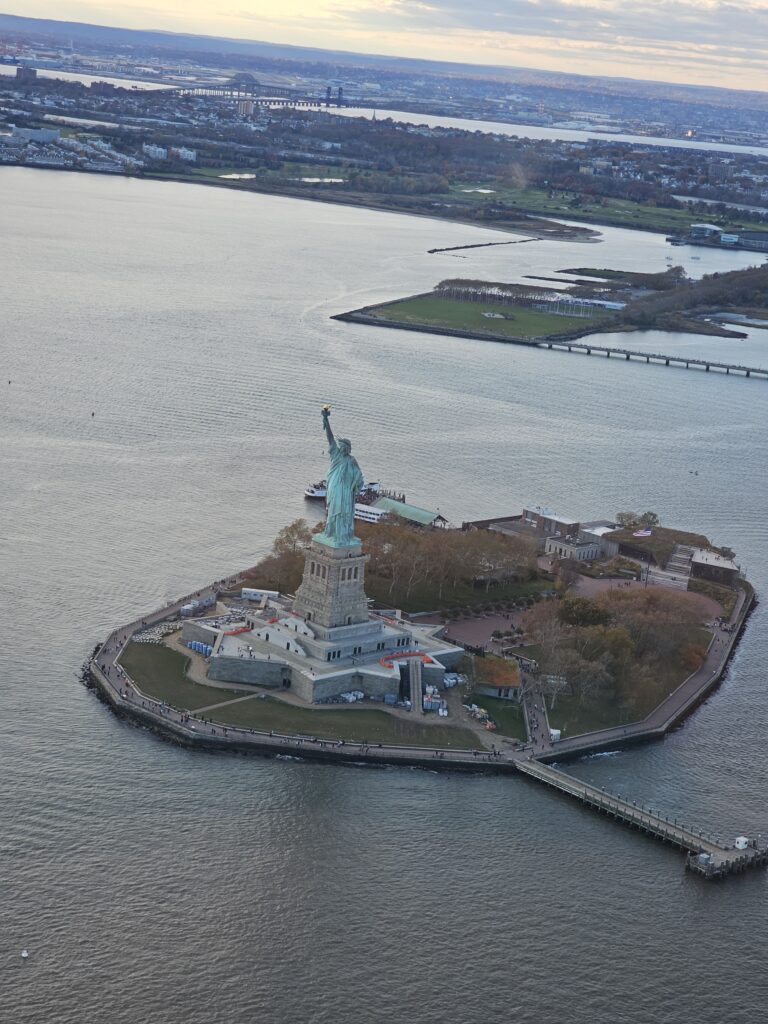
(548, 630)
(567, 572)
(292, 538)
(585, 677)
(627, 519)
(284, 566)
(693, 656)
(657, 620)
(500, 558)
(649, 519)
(445, 552)
(582, 611)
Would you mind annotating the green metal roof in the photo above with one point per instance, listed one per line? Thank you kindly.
(411, 512)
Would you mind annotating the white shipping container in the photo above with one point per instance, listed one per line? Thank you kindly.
(251, 594)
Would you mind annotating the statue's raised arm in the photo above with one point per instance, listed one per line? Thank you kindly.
(326, 414)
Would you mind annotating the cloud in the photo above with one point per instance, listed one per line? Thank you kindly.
(653, 21)
(706, 40)
(715, 42)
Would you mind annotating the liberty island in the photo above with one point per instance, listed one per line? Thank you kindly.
(326, 644)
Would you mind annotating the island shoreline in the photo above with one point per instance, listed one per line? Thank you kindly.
(306, 747)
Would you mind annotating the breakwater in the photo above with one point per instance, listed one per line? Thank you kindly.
(482, 245)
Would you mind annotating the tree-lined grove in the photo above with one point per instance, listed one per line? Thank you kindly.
(403, 561)
(625, 646)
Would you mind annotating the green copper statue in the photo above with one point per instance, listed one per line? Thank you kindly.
(343, 482)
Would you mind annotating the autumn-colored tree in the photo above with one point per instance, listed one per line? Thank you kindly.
(283, 567)
(583, 611)
(693, 656)
(658, 620)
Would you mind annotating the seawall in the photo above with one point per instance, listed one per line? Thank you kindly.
(104, 673)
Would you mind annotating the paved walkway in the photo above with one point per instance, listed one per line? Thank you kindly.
(477, 631)
(722, 859)
(226, 703)
(536, 719)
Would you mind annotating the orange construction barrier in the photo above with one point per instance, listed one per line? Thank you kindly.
(389, 659)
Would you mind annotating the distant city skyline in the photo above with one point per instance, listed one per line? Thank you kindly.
(697, 42)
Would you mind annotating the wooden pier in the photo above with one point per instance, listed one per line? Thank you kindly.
(706, 857)
(657, 358)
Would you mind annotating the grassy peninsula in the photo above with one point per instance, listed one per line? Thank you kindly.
(597, 300)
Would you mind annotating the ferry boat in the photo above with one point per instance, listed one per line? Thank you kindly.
(316, 492)
(367, 494)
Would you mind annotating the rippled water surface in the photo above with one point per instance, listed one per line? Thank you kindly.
(161, 886)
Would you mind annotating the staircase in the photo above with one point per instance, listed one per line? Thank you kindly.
(414, 670)
(677, 571)
(679, 563)
(661, 578)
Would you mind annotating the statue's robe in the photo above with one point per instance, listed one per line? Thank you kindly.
(343, 482)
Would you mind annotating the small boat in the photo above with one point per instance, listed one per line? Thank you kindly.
(367, 494)
(24, 954)
(316, 492)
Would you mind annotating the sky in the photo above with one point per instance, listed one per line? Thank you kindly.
(701, 42)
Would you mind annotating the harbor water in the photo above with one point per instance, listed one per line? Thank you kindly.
(166, 351)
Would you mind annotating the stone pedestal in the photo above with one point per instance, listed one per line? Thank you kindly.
(332, 591)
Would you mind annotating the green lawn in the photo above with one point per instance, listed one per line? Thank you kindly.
(724, 596)
(424, 597)
(613, 211)
(573, 716)
(661, 542)
(353, 723)
(507, 714)
(531, 651)
(162, 673)
(436, 311)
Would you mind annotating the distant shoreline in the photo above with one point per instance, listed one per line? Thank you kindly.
(543, 228)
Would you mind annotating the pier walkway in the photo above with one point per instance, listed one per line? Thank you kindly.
(657, 358)
(366, 315)
(706, 856)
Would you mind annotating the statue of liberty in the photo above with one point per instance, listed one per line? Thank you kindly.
(343, 482)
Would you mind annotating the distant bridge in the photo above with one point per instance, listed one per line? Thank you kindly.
(246, 87)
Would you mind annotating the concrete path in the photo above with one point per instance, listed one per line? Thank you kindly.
(226, 703)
